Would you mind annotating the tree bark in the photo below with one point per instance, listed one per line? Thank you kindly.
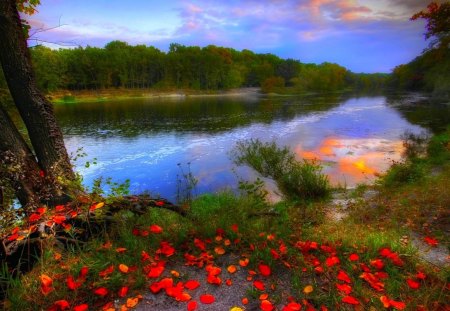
(17, 163)
(35, 110)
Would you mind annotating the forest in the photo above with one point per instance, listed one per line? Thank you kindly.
(120, 65)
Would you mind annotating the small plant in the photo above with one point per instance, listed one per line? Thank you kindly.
(186, 184)
(296, 180)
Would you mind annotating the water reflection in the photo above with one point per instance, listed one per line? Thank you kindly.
(143, 140)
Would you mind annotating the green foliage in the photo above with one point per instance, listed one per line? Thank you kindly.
(421, 155)
(119, 65)
(296, 180)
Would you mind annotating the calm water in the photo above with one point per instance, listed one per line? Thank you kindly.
(145, 139)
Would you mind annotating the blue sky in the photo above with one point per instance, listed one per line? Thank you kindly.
(362, 35)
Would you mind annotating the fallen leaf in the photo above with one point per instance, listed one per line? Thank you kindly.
(123, 268)
(207, 299)
(266, 305)
(350, 300)
(192, 306)
(264, 270)
(132, 302)
(232, 269)
(308, 289)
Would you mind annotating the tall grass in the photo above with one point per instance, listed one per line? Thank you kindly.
(296, 180)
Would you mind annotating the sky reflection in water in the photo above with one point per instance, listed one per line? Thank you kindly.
(354, 138)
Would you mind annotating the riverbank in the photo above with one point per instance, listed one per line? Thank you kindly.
(239, 252)
(64, 96)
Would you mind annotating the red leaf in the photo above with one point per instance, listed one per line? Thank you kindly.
(332, 261)
(412, 284)
(156, 229)
(155, 272)
(207, 299)
(192, 306)
(71, 284)
(106, 272)
(264, 270)
(234, 227)
(353, 257)
(83, 307)
(377, 263)
(345, 288)
(60, 305)
(34, 217)
(101, 291)
(83, 272)
(421, 276)
(292, 306)
(350, 300)
(259, 285)
(266, 305)
(343, 276)
(123, 291)
(59, 219)
(191, 284)
(431, 241)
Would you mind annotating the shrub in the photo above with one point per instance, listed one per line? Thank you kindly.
(296, 180)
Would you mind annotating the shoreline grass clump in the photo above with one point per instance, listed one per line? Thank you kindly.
(297, 180)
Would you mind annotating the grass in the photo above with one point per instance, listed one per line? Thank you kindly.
(296, 180)
(281, 236)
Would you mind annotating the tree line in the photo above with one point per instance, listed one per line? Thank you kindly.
(430, 71)
(120, 65)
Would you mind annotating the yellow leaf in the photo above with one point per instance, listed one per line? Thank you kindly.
(236, 309)
(308, 289)
(175, 274)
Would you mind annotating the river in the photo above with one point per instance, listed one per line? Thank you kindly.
(150, 141)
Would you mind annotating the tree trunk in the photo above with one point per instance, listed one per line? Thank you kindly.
(17, 163)
(35, 110)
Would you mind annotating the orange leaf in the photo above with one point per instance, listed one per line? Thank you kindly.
(231, 269)
(46, 280)
(121, 250)
(207, 299)
(96, 206)
(219, 250)
(123, 268)
(244, 300)
(308, 289)
(263, 296)
(132, 302)
(244, 262)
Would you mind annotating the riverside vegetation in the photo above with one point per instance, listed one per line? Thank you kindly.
(288, 256)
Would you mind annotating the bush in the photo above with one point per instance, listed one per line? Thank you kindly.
(296, 180)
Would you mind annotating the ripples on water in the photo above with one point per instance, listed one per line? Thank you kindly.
(143, 140)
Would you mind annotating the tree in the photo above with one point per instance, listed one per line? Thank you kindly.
(438, 23)
(44, 171)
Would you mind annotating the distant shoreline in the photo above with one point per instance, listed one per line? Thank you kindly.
(66, 96)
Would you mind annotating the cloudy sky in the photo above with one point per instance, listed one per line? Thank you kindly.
(362, 35)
